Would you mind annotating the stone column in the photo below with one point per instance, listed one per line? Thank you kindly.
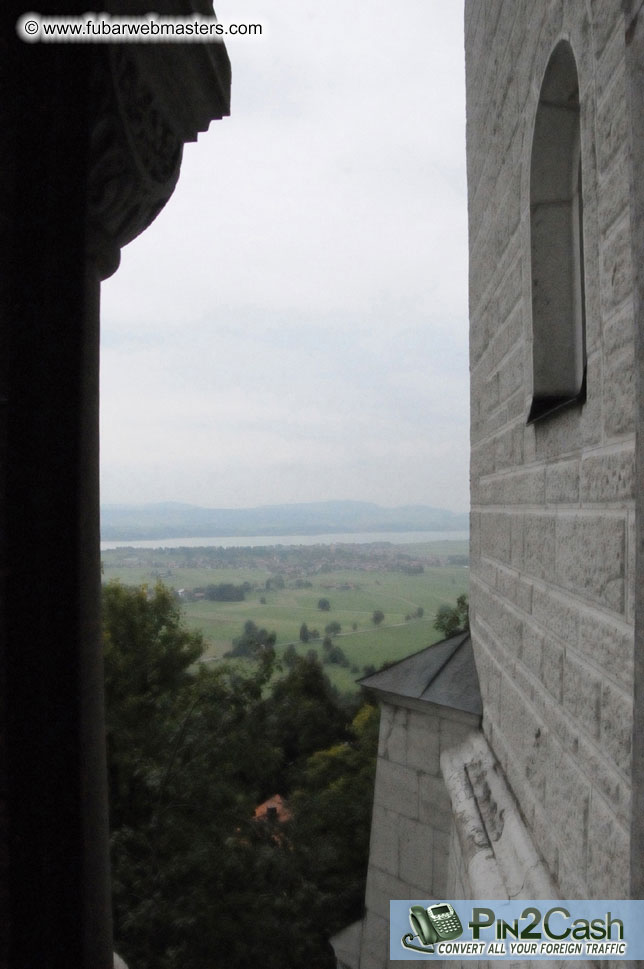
(91, 149)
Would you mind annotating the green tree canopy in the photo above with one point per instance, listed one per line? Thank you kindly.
(193, 748)
(452, 619)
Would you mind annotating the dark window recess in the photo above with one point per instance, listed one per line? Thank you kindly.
(557, 249)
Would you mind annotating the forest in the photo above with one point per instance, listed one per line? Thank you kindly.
(205, 875)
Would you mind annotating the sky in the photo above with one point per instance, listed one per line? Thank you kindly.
(293, 326)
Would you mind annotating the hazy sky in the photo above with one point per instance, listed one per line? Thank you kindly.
(293, 327)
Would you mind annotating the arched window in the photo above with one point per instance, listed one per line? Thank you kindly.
(556, 230)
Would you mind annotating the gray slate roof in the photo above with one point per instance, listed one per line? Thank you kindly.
(444, 673)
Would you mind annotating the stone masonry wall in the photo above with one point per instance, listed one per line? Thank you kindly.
(412, 817)
(552, 527)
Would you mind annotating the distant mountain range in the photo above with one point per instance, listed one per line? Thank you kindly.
(174, 520)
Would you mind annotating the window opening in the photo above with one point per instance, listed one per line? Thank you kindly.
(556, 233)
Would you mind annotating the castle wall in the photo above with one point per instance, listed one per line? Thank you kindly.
(412, 815)
(553, 520)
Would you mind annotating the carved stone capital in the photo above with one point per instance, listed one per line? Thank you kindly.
(134, 158)
(148, 100)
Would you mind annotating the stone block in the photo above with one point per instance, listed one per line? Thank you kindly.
(544, 836)
(609, 477)
(506, 583)
(453, 732)
(539, 546)
(511, 375)
(423, 743)
(560, 436)
(496, 535)
(416, 853)
(608, 644)
(505, 624)
(386, 719)
(435, 808)
(591, 424)
(617, 725)
(382, 887)
(393, 736)
(489, 674)
(619, 331)
(531, 649)
(440, 863)
(614, 192)
(616, 274)
(524, 487)
(516, 541)
(567, 801)
(508, 448)
(582, 694)
(612, 120)
(631, 566)
(475, 537)
(383, 850)
(535, 751)
(605, 778)
(489, 395)
(525, 682)
(562, 482)
(374, 947)
(572, 882)
(509, 335)
(486, 572)
(551, 712)
(590, 558)
(606, 18)
(514, 588)
(482, 459)
(396, 789)
(552, 669)
(608, 852)
(619, 400)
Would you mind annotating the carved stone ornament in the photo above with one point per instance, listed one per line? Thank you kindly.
(135, 156)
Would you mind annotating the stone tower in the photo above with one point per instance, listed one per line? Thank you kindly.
(545, 789)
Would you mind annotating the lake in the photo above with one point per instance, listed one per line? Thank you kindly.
(246, 541)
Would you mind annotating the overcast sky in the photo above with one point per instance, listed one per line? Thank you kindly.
(293, 327)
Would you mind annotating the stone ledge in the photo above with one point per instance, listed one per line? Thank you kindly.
(499, 856)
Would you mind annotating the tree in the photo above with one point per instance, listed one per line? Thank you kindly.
(192, 750)
(333, 628)
(303, 715)
(378, 616)
(452, 619)
(289, 656)
(304, 633)
(253, 642)
(187, 761)
(330, 837)
(324, 605)
(226, 592)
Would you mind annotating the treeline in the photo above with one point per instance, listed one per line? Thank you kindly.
(291, 560)
(199, 881)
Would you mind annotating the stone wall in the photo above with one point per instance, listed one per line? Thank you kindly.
(553, 521)
(412, 815)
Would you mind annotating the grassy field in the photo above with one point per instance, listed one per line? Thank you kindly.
(353, 594)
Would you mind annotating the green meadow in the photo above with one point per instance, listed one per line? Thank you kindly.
(372, 583)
